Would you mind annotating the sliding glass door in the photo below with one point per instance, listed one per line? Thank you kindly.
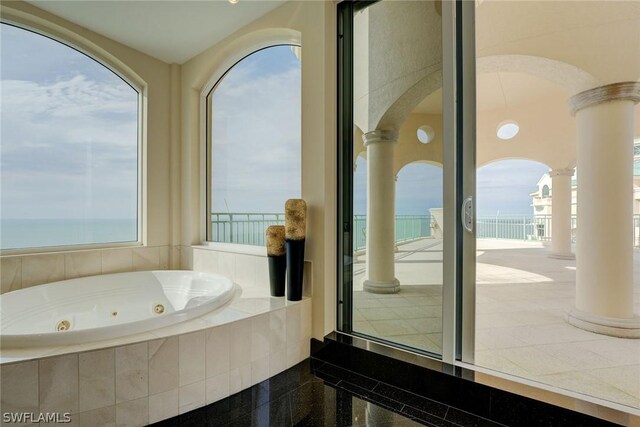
(403, 184)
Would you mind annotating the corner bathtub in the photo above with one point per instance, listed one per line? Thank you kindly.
(109, 306)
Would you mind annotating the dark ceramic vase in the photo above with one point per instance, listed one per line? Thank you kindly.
(277, 274)
(295, 269)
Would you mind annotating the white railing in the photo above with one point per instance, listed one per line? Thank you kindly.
(529, 227)
(523, 227)
(245, 228)
(249, 228)
(408, 227)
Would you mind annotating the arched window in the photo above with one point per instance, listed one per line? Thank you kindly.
(69, 151)
(545, 191)
(253, 145)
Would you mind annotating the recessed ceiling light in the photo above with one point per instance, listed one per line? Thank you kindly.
(234, 1)
(507, 129)
(425, 134)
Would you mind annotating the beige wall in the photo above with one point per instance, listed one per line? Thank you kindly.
(154, 77)
(314, 21)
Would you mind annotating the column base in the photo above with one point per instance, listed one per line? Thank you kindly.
(562, 256)
(612, 326)
(376, 287)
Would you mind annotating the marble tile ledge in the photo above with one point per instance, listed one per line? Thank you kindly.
(248, 302)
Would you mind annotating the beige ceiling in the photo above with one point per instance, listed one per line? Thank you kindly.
(172, 31)
(601, 38)
(500, 90)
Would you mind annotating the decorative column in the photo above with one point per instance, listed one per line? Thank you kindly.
(561, 214)
(604, 267)
(381, 213)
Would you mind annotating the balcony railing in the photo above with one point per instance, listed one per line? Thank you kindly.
(249, 228)
(524, 227)
(531, 228)
(242, 227)
(408, 227)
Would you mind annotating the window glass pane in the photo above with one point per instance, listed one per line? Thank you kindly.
(69, 146)
(396, 267)
(255, 145)
(558, 219)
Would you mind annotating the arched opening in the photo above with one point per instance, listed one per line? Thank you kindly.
(418, 255)
(419, 202)
(253, 144)
(71, 149)
(545, 191)
(509, 196)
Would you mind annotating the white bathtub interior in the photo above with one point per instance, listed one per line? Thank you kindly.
(101, 307)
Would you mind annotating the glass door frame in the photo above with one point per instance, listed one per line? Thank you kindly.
(458, 84)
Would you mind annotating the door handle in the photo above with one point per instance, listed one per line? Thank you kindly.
(467, 214)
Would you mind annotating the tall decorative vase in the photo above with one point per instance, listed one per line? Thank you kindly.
(277, 259)
(295, 222)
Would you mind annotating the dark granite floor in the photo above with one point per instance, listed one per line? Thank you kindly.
(315, 393)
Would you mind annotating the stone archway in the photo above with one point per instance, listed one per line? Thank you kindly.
(570, 77)
(419, 191)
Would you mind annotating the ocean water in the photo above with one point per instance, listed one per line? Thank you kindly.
(37, 233)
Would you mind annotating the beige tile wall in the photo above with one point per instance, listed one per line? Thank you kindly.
(23, 271)
(245, 270)
(150, 381)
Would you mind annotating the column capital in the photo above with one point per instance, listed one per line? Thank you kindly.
(561, 172)
(623, 91)
(380, 135)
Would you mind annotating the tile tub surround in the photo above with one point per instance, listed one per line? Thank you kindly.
(245, 265)
(23, 271)
(174, 370)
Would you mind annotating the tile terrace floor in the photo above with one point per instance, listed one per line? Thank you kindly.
(521, 299)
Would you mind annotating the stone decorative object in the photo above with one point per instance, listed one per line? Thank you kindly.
(295, 220)
(277, 259)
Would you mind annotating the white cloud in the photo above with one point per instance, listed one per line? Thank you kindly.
(68, 148)
(256, 134)
(66, 98)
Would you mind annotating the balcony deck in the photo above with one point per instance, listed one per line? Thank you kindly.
(521, 299)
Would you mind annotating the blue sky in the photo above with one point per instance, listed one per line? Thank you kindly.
(256, 133)
(68, 132)
(502, 187)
